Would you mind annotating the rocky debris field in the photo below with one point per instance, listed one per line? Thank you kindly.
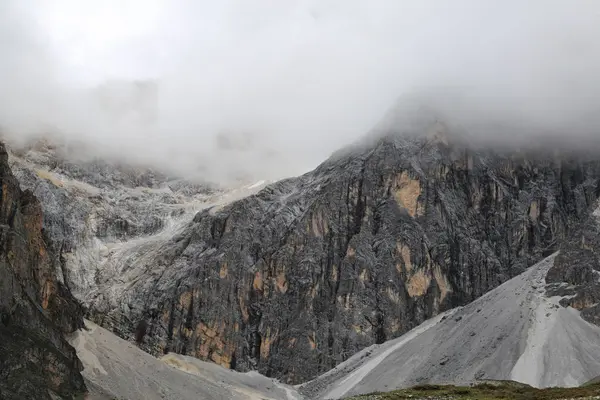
(515, 332)
(117, 369)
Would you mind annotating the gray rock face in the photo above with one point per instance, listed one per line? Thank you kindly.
(576, 273)
(91, 206)
(36, 308)
(294, 280)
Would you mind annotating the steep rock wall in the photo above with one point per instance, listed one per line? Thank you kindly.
(36, 308)
(296, 279)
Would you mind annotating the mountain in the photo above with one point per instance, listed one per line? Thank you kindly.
(36, 307)
(297, 278)
(292, 280)
(539, 328)
(93, 206)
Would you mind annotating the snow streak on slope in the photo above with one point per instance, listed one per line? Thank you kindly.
(123, 263)
(513, 332)
(108, 220)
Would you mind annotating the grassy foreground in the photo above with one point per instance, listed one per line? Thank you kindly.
(487, 391)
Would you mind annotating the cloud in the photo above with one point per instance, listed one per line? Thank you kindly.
(271, 88)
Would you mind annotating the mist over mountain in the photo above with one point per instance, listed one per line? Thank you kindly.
(224, 199)
(270, 89)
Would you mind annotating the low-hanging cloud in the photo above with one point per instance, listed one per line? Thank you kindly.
(270, 88)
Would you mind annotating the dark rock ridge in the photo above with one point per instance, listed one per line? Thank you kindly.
(36, 308)
(379, 238)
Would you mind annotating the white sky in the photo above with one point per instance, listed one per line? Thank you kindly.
(100, 39)
(306, 76)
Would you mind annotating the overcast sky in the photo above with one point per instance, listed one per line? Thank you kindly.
(304, 77)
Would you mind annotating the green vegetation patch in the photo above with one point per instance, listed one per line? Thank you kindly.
(487, 391)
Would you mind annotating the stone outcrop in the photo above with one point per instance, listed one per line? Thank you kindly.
(36, 307)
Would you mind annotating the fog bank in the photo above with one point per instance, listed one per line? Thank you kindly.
(269, 88)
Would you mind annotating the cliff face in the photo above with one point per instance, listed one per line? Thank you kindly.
(576, 272)
(92, 206)
(36, 308)
(299, 277)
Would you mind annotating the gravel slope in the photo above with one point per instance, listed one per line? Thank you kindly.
(514, 332)
(116, 369)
